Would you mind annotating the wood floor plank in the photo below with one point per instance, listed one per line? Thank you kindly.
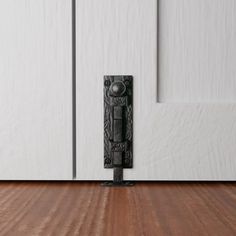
(73, 208)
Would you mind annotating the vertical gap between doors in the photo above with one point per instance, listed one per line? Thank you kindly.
(74, 88)
(158, 53)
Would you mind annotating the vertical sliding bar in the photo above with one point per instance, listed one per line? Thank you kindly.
(118, 137)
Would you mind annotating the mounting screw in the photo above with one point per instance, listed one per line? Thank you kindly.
(127, 82)
(107, 83)
(127, 161)
(108, 161)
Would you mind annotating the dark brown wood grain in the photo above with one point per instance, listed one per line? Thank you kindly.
(35, 208)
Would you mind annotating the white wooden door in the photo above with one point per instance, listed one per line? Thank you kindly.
(35, 90)
(182, 55)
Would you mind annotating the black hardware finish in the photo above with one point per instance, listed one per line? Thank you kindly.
(118, 126)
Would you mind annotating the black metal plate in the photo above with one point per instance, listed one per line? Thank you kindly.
(114, 98)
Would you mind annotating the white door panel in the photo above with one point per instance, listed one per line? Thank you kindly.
(197, 51)
(184, 96)
(35, 90)
(113, 37)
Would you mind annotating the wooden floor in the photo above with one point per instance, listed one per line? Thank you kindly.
(145, 209)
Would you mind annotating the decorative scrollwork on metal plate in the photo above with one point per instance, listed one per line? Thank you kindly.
(118, 121)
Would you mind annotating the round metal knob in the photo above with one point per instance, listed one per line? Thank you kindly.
(118, 88)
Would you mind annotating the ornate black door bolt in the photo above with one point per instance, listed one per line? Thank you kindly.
(118, 126)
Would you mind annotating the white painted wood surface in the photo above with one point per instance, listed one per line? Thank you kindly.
(172, 141)
(35, 90)
(197, 51)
